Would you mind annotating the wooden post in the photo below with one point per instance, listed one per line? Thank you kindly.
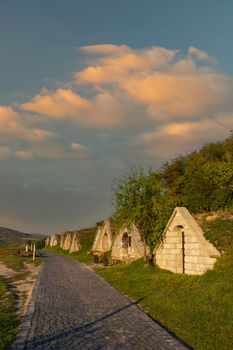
(34, 252)
(183, 251)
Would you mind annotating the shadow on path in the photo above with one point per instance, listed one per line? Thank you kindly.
(80, 329)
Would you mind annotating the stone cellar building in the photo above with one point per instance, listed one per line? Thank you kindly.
(128, 245)
(103, 238)
(68, 240)
(184, 248)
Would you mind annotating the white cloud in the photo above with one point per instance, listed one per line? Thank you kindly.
(200, 55)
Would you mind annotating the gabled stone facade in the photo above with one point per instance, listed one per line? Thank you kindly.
(54, 240)
(103, 238)
(75, 243)
(184, 248)
(47, 241)
(128, 245)
(68, 240)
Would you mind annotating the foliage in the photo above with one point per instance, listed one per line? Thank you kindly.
(40, 244)
(220, 231)
(140, 199)
(202, 180)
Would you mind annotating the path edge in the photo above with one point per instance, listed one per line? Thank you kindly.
(20, 339)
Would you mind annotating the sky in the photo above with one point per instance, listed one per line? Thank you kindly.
(90, 88)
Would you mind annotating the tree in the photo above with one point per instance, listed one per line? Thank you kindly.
(139, 198)
(173, 176)
(220, 174)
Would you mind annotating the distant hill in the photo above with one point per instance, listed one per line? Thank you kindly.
(8, 236)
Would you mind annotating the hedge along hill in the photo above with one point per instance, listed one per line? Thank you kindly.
(202, 181)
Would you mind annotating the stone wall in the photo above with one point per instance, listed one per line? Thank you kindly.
(103, 238)
(54, 240)
(75, 243)
(184, 248)
(128, 245)
(68, 240)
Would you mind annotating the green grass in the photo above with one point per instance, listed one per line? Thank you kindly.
(9, 321)
(9, 256)
(219, 232)
(86, 241)
(198, 309)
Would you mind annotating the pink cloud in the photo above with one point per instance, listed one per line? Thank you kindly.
(120, 64)
(7, 115)
(182, 137)
(156, 89)
(58, 103)
(166, 84)
(105, 49)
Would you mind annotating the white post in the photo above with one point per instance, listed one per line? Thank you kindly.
(31, 247)
(26, 248)
(34, 252)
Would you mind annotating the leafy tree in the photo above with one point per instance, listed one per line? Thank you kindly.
(220, 175)
(202, 180)
(173, 176)
(139, 198)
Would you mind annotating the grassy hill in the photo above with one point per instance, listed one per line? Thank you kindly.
(9, 236)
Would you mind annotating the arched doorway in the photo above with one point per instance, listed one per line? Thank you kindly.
(67, 243)
(180, 230)
(125, 243)
(105, 246)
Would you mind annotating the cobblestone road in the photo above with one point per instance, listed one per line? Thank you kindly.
(76, 309)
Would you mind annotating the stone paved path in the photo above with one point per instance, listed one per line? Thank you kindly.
(76, 309)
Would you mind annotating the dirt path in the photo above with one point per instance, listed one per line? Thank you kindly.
(22, 283)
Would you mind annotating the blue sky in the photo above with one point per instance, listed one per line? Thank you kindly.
(92, 87)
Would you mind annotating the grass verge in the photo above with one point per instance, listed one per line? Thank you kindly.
(9, 320)
(10, 257)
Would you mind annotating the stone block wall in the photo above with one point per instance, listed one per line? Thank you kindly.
(134, 248)
(184, 248)
(103, 238)
(68, 240)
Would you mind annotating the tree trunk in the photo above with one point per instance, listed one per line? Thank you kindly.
(144, 252)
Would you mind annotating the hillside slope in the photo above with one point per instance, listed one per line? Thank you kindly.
(9, 236)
